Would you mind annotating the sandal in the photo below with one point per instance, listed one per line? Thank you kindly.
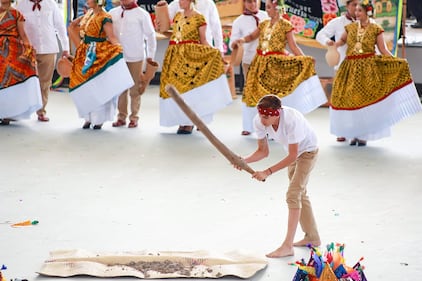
(43, 118)
(361, 142)
(245, 133)
(133, 124)
(354, 141)
(119, 123)
(97, 127)
(341, 139)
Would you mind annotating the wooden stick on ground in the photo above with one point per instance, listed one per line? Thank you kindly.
(233, 158)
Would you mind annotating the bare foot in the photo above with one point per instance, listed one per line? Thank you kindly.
(282, 251)
(305, 243)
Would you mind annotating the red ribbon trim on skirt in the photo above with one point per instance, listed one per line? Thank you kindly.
(360, 56)
(184, 42)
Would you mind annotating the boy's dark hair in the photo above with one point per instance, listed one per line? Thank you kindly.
(270, 101)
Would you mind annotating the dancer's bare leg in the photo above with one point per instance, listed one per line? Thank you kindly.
(286, 249)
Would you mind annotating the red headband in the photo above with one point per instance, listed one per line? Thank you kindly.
(269, 111)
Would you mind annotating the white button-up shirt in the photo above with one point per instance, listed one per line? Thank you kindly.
(132, 30)
(42, 26)
(244, 25)
(334, 28)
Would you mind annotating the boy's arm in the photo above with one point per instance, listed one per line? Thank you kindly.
(261, 152)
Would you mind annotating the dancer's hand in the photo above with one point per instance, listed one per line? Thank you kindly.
(261, 175)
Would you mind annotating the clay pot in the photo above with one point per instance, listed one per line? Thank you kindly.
(147, 76)
(332, 56)
(237, 54)
(162, 16)
(64, 66)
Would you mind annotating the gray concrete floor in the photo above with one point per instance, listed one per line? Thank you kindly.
(123, 189)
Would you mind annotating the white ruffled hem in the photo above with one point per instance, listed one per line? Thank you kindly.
(95, 93)
(248, 114)
(20, 101)
(105, 112)
(308, 96)
(204, 100)
(375, 120)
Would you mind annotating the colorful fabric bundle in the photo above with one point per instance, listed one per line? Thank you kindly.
(329, 266)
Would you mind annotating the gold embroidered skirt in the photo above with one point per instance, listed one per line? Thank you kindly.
(371, 94)
(197, 72)
(292, 78)
(189, 65)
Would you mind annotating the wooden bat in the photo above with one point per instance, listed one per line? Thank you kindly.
(233, 158)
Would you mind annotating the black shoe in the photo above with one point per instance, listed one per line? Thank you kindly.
(4, 122)
(86, 125)
(361, 142)
(417, 25)
(98, 127)
(185, 130)
(353, 142)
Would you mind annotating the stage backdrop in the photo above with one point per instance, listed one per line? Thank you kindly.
(309, 16)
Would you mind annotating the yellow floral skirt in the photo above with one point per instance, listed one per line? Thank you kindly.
(276, 74)
(292, 78)
(370, 94)
(197, 72)
(360, 82)
(190, 65)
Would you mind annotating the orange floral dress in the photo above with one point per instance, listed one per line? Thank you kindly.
(20, 94)
(99, 73)
(106, 53)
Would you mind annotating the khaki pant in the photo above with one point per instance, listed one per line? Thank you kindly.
(135, 69)
(245, 69)
(296, 196)
(45, 67)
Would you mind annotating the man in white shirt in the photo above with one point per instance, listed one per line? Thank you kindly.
(335, 29)
(133, 27)
(288, 127)
(242, 26)
(207, 8)
(44, 21)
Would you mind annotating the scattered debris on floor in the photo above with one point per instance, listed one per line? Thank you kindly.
(25, 223)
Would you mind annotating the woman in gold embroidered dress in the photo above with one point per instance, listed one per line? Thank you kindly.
(196, 70)
(99, 73)
(370, 92)
(20, 94)
(274, 71)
